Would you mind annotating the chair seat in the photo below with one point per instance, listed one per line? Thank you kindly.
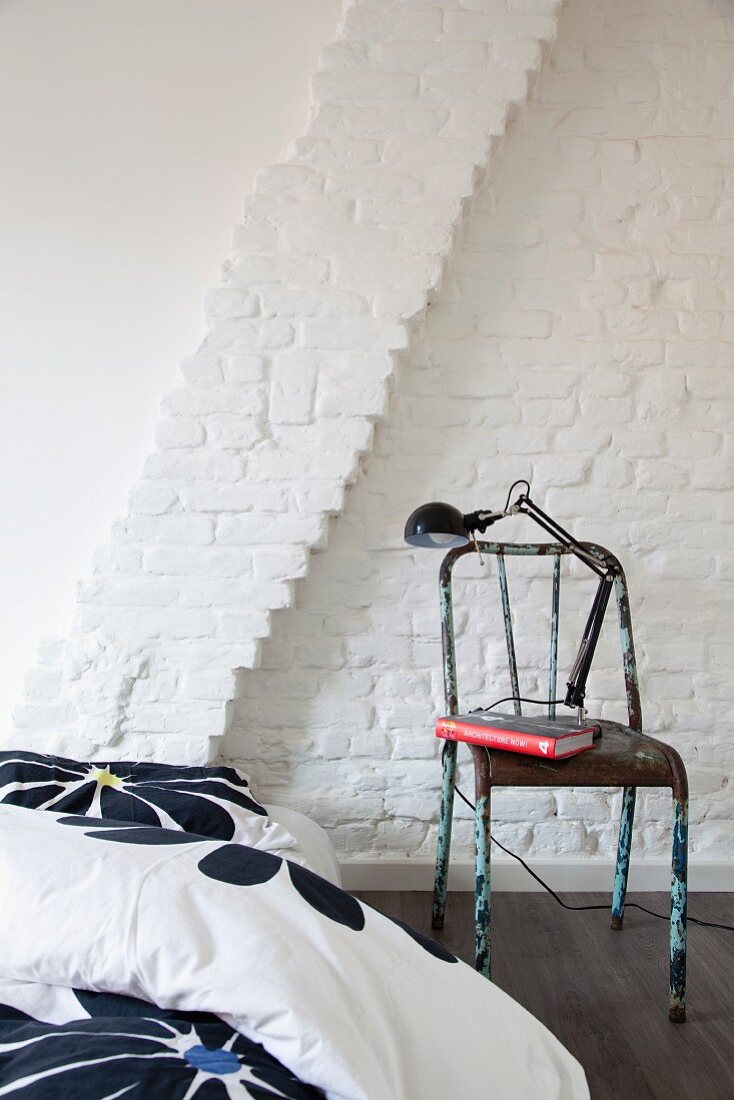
(620, 758)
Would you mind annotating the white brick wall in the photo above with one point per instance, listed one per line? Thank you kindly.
(341, 247)
(584, 338)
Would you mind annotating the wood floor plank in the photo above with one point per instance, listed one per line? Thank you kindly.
(604, 993)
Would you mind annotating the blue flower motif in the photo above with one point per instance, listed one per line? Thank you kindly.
(138, 1058)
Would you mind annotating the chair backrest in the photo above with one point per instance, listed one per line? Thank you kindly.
(501, 550)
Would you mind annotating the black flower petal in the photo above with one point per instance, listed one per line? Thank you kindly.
(117, 1004)
(327, 899)
(124, 833)
(124, 806)
(33, 797)
(143, 835)
(191, 812)
(238, 795)
(8, 1012)
(30, 767)
(77, 801)
(429, 945)
(240, 866)
(91, 822)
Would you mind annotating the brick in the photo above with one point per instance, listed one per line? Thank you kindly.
(243, 627)
(403, 116)
(152, 498)
(372, 276)
(263, 529)
(357, 335)
(480, 24)
(297, 180)
(202, 370)
(215, 686)
(244, 368)
(370, 85)
(292, 391)
(224, 399)
(366, 24)
(247, 270)
(216, 497)
(194, 467)
(228, 302)
(445, 55)
(494, 84)
(179, 432)
(115, 559)
(516, 323)
(411, 151)
(239, 433)
(524, 54)
(197, 530)
(312, 303)
(140, 592)
(198, 561)
(280, 563)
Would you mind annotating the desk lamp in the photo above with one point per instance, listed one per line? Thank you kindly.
(441, 526)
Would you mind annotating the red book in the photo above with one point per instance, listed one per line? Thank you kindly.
(553, 738)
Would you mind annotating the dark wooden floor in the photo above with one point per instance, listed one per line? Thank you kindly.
(604, 993)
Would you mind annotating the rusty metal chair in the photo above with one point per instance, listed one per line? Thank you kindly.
(624, 757)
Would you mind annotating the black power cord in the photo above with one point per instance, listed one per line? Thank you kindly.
(538, 879)
(580, 908)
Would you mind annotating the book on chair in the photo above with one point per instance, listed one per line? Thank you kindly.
(552, 738)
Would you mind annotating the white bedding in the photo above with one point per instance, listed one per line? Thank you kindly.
(347, 999)
(311, 846)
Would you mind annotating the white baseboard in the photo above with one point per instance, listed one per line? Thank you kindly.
(562, 875)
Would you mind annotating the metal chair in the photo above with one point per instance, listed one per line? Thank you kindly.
(624, 757)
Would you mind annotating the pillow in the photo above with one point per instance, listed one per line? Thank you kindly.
(214, 802)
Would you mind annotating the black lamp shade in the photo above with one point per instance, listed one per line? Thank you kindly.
(436, 525)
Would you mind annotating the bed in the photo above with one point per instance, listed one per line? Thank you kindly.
(162, 935)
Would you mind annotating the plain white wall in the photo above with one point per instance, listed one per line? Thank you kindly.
(130, 130)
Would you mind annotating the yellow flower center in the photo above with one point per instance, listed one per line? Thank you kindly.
(105, 778)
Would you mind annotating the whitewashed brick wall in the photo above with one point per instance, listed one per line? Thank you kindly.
(341, 248)
(583, 338)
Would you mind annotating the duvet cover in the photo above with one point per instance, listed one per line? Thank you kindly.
(138, 961)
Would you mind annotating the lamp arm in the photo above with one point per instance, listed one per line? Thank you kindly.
(605, 570)
(530, 508)
(576, 683)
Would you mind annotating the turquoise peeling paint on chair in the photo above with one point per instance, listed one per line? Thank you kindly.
(624, 757)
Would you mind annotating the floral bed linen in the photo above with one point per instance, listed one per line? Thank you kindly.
(215, 801)
(69, 1044)
(347, 1001)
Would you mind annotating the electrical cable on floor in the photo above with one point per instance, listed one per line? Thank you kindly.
(531, 872)
(580, 908)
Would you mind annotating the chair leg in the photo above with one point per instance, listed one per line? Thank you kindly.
(483, 885)
(678, 911)
(445, 821)
(624, 846)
